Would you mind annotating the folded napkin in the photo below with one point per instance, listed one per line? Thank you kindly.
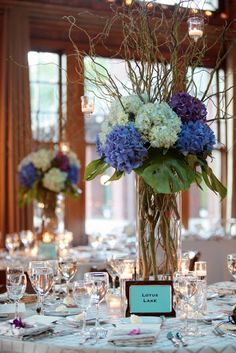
(7, 329)
(134, 335)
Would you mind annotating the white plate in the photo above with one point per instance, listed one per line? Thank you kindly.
(89, 320)
(144, 320)
(67, 312)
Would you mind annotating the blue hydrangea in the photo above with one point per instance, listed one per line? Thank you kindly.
(99, 148)
(195, 137)
(73, 174)
(188, 107)
(124, 148)
(28, 175)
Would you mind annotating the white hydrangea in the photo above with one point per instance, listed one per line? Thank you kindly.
(73, 159)
(131, 103)
(158, 124)
(42, 159)
(54, 180)
(25, 161)
(119, 115)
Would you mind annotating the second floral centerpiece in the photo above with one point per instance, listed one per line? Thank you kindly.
(45, 174)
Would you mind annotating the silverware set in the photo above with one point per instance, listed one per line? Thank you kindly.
(176, 339)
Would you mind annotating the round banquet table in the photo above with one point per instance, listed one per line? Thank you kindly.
(210, 343)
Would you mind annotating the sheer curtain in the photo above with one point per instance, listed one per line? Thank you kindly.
(15, 126)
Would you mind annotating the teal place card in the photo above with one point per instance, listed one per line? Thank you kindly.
(150, 298)
(47, 250)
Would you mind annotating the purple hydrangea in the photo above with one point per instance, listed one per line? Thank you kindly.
(28, 174)
(73, 174)
(188, 107)
(195, 137)
(124, 148)
(99, 148)
(62, 161)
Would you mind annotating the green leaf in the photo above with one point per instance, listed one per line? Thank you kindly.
(167, 173)
(211, 181)
(95, 168)
(116, 176)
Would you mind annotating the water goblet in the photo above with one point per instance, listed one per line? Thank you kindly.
(16, 282)
(111, 269)
(101, 285)
(42, 282)
(197, 302)
(231, 263)
(68, 267)
(12, 242)
(53, 264)
(185, 286)
(82, 294)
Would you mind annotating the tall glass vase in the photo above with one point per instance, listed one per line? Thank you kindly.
(52, 216)
(158, 231)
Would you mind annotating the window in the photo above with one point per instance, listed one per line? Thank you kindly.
(204, 206)
(108, 205)
(48, 104)
(211, 5)
(48, 95)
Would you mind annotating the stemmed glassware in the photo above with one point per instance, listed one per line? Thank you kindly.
(41, 278)
(12, 242)
(185, 286)
(68, 267)
(82, 294)
(231, 263)
(16, 282)
(197, 302)
(100, 288)
(111, 269)
(53, 264)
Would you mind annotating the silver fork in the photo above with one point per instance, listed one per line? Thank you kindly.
(219, 332)
(100, 335)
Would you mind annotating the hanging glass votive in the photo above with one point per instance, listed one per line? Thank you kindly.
(87, 104)
(195, 27)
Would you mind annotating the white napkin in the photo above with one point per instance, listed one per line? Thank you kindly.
(7, 329)
(134, 334)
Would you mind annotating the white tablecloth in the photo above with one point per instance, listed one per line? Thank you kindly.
(70, 343)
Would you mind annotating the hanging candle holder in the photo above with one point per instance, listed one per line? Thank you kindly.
(195, 27)
(87, 104)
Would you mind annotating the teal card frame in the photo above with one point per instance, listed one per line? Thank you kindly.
(149, 298)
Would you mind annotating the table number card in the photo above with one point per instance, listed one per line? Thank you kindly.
(153, 298)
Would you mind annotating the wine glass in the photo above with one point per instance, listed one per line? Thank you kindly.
(16, 282)
(42, 281)
(82, 294)
(27, 238)
(101, 285)
(231, 263)
(68, 267)
(53, 264)
(185, 286)
(12, 242)
(197, 302)
(110, 267)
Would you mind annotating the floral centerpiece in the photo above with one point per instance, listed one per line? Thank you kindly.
(45, 174)
(157, 125)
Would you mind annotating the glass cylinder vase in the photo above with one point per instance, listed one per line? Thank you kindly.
(158, 232)
(52, 216)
